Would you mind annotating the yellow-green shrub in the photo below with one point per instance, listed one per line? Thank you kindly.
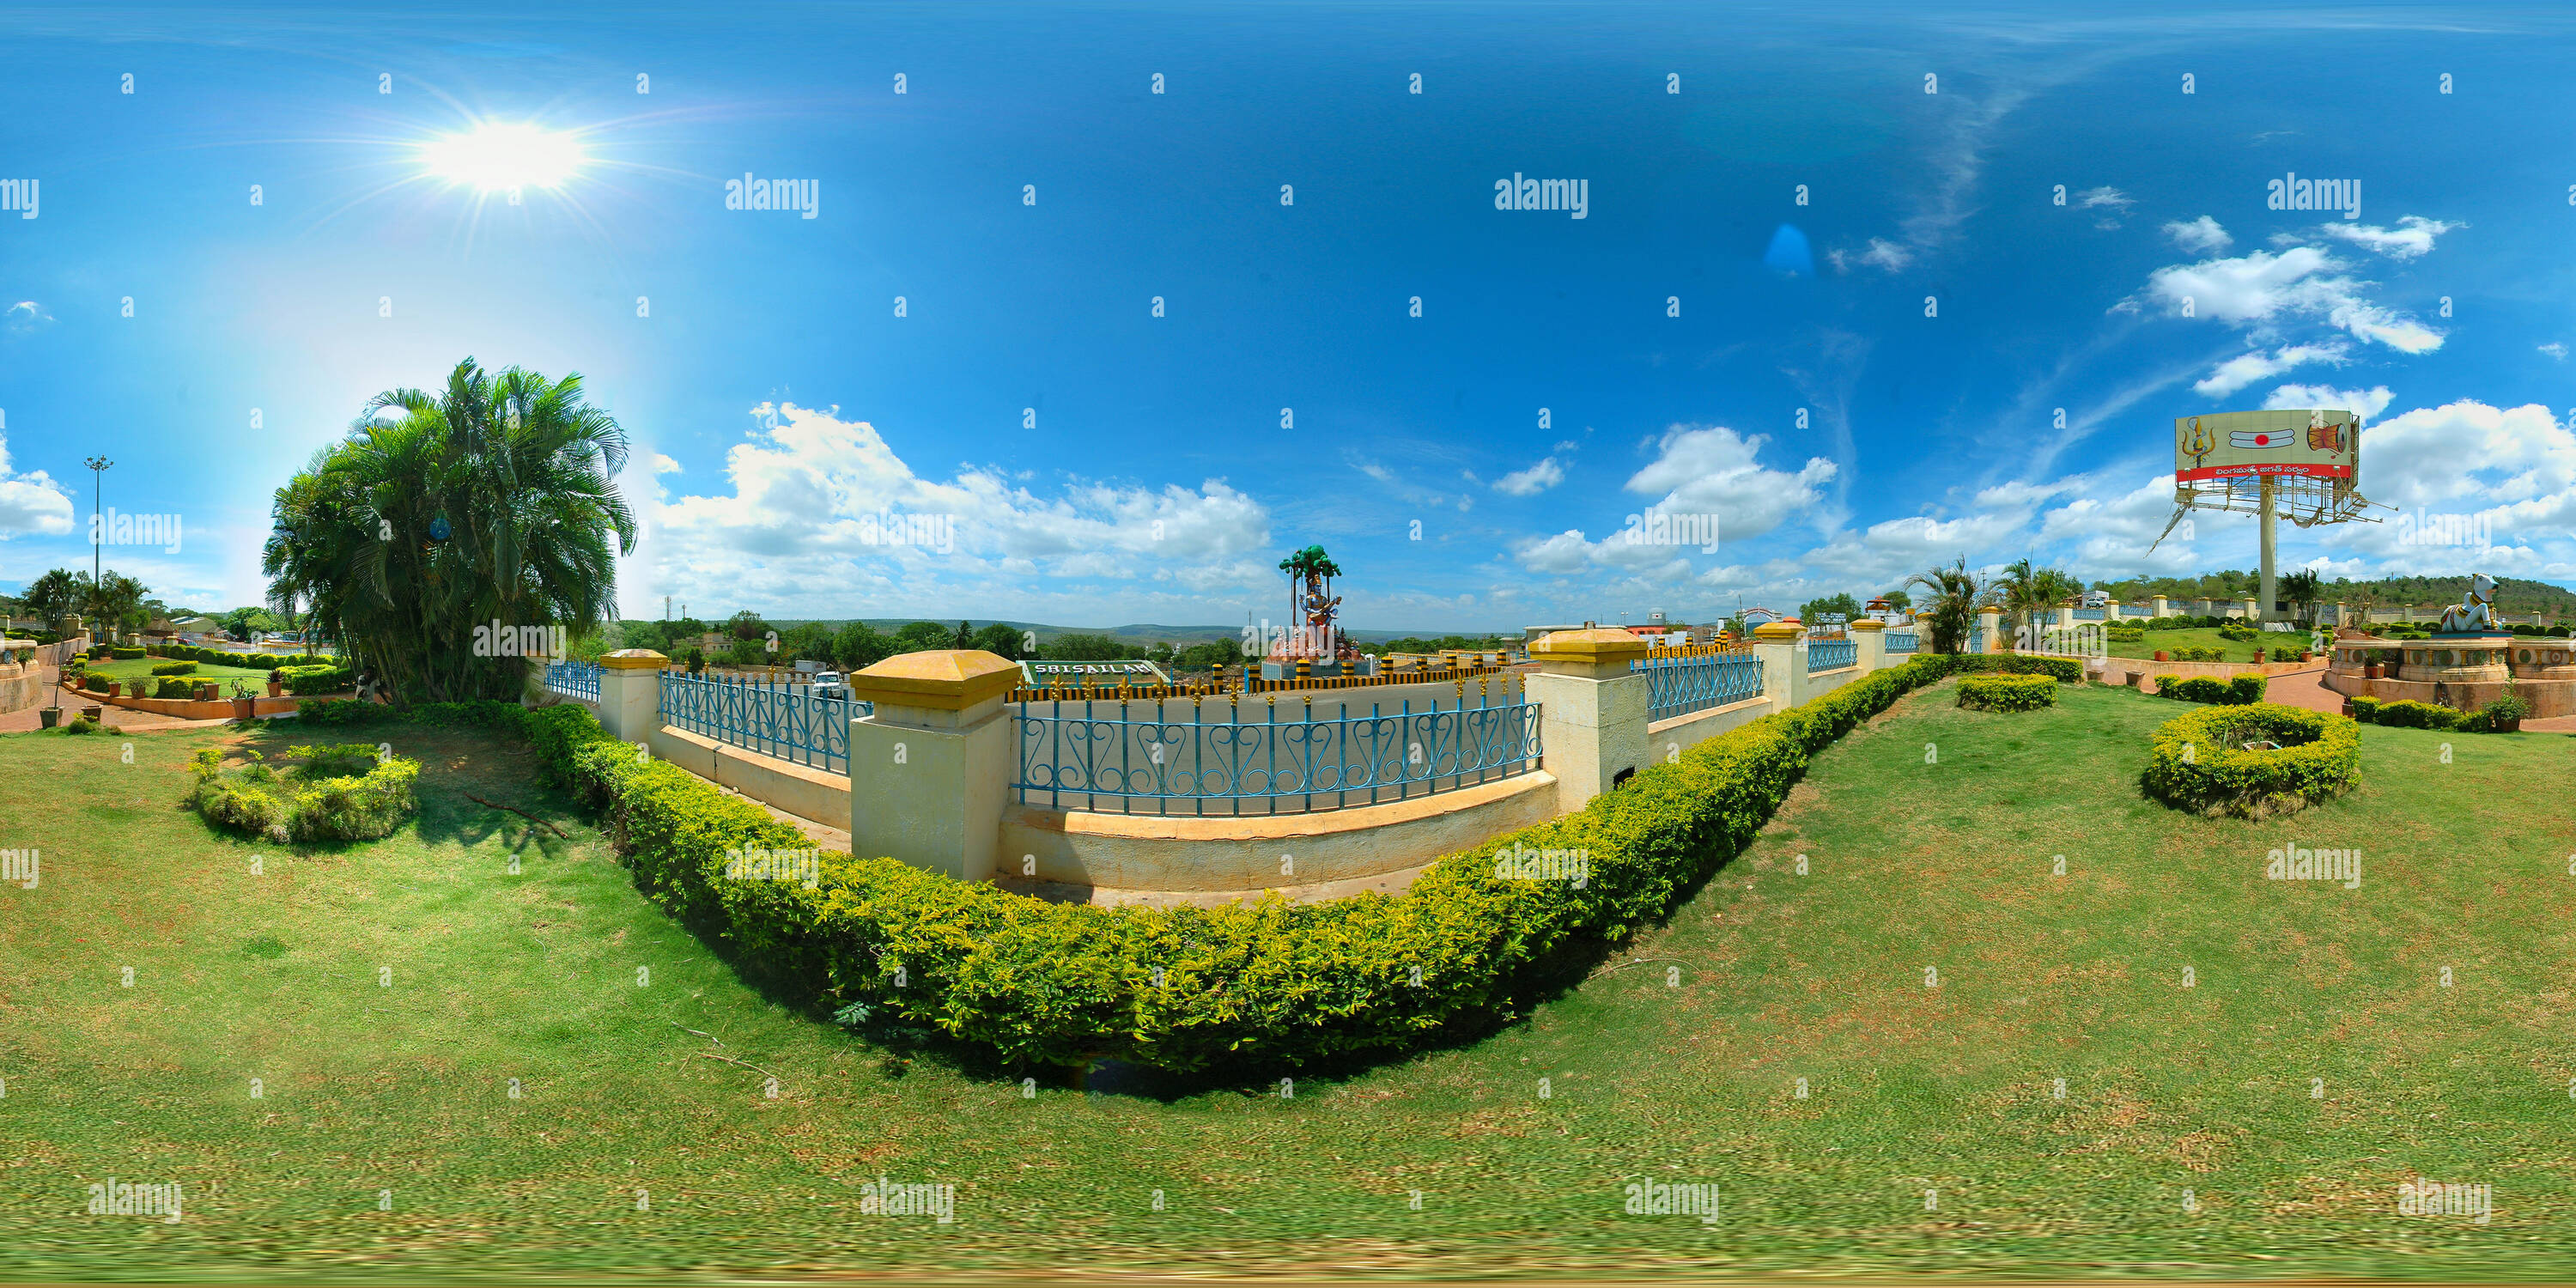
(2007, 692)
(2198, 761)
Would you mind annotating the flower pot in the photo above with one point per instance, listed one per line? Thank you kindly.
(2509, 726)
(2160, 656)
(49, 717)
(2306, 654)
(244, 707)
(2347, 706)
(276, 689)
(93, 712)
(2132, 678)
(2374, 671)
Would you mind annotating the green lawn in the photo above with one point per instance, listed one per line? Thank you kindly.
(1911, 865)
(2208, 637)
(140, 668)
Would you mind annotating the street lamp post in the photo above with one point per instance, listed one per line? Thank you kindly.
(98, 467)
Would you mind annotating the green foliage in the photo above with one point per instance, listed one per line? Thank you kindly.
(2365, 710)
(2247, 689)
(2066, 670)
(2239, 632)
(340, 793)
(174, 668)
(172, 687)
(2199, 762)
(492, 500)
(123, 653)
(338, 712)
(2425, 715)
(1844, 604)
(302, 680)
(1087, 648)
(2508, 705)
(2007, 692)
(2242, 690)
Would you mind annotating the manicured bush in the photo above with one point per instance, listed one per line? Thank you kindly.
(124, 654)
(2199, 762)
(174, 668)
(2242, 634)
(2508, 706)
(2246, 689)
(2416, 715)
(317, 679)
(341, 793)
(1941, 666)
(2169, 686)
(2007, 692)
(2365, 710)
(173, 687)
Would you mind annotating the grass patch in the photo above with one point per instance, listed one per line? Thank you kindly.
(561, 977)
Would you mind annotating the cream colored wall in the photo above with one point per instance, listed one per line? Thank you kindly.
(1151, 852)
(798, 789)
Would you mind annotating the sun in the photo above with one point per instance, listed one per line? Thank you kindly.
(494, 155)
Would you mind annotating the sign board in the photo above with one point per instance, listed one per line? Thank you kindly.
(1066, 675)
(2257, 444)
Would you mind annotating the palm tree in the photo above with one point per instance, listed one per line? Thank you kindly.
(2028, 591)
(112, 604)
(2301, 588)
(1951, 599)
(493, 501)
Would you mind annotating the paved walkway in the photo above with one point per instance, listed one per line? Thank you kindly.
(110, 717)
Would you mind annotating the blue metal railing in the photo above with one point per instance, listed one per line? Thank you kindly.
(574, 679)
(1903, 641)
(788, 722)
(1677, 686)
(1831, 655)
(2088, 614)
(1150, 756)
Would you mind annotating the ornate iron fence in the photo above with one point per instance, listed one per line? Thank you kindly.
(788, 722)
(1832, 655)
(1677, 686)
(2088, 614)
(574, 679)
(1154, 757)
(1903, 641)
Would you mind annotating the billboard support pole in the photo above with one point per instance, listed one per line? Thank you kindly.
(2268, 613)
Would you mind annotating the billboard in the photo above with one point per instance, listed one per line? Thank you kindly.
(2298, 443)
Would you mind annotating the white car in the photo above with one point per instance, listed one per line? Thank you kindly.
(827, 684)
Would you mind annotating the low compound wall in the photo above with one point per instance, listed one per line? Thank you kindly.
(1251, 853)
(1666, 738)
(2117, 670)
(197, 709)
(808, 793)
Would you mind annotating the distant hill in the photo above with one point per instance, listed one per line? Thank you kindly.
(2513, 594)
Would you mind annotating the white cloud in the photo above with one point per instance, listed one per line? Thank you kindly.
(2366, 403)
(664, 464)
(1886, 254)
(791, 533)
(2201, 236)
(2412, 237)
(2105, 196)
(1715, 471)
(2246, 368)
(24, 316)
(2555, 349)
(2262, 289)
(31, 503)
(1532, 481)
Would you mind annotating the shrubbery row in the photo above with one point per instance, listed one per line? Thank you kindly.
(2007, 692)
(2242, 690)
(2425, 715)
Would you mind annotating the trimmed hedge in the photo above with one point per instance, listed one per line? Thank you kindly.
(2409, 714)
(321, 678)
(123, 654)
(2007, 692)
(174, 668)
(1269, 984)
(2199, 763)
(243, 661)
(2242, 690)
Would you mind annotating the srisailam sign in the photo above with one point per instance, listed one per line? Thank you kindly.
(1043, 675)
(2254, 444)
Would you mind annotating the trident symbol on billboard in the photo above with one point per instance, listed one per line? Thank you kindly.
(2198, 443)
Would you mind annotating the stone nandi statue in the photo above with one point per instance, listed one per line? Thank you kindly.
(2475, 612)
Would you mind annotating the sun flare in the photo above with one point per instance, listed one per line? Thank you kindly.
(492, 155)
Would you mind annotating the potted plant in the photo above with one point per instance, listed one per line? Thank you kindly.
(92, 712)
(276, 683)
(49, 717)
(244, 705)
(112, 688)
(2504, 715)
(2160, 656)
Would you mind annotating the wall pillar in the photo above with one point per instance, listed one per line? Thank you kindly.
(1870, 636)
(1592, 710)
(931, 770)
(1988, 628)
(1784, 662)
(2159, 605)
(630, 693)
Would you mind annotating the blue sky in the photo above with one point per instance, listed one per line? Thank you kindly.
(775, 399)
